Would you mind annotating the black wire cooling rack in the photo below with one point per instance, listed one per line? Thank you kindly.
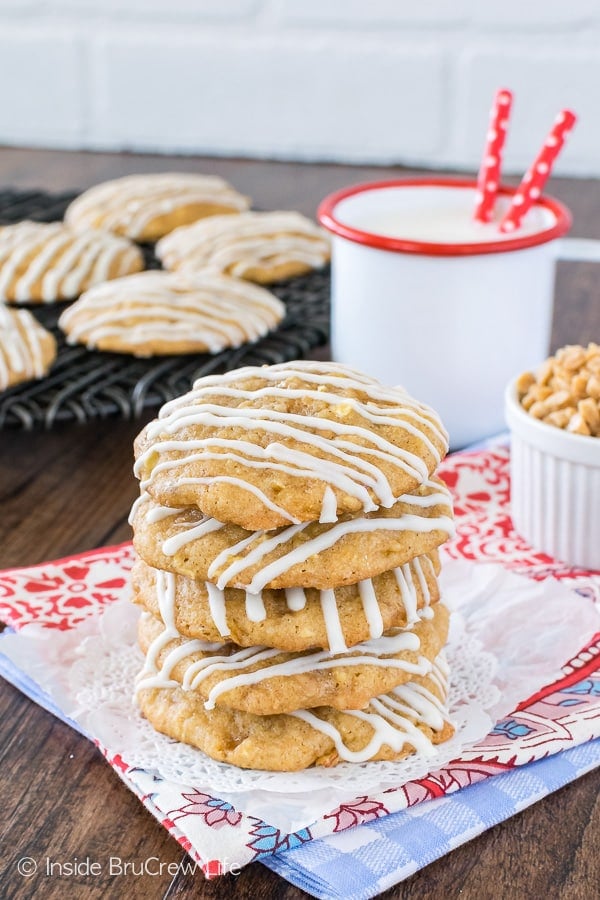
(84, 385)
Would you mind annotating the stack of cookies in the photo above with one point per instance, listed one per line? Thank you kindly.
(287, 533)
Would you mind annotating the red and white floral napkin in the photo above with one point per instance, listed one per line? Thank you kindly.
(561, 715)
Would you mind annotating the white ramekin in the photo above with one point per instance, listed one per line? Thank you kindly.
(555, 487)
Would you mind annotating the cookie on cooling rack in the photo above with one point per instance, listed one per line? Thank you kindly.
(410, 718)
(146, 207)
(296, 442)
(259, 246)
(27, 350)
(158, 313)
(270, 681)
(45, 262)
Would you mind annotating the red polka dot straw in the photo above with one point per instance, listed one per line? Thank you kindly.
(536, 176)
(489, 171)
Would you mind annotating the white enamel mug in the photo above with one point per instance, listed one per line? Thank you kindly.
(424, 297)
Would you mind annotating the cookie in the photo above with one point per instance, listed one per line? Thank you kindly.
(158, 313)
(45, 262)
(319, 555)
(259, 246)
(146, 207)
(293, 619)
(287, 444)
(27, 350)
(394, 725)
(264, 681)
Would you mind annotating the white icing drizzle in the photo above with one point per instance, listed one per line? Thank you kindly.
(311, 371)
(421, 579)
(57, 245)
(324, 375)
(264, 547)
(251, 488)
(395, 719)
(346, 480)
(159, 513)
(348, 470)
(381, 652)
(367, 653)
(295, 597)
(405, 582)
(129, 204)
(296, 601)
(329, 507)
(156, 513)
(235, 562)
(255, 607)
(236, 244)
(426, 612)
(405, 579)
(440, 674)
(216, 602)
(209, 310)
(191, 533)
(63, 260)
(137, 503)
(371, 609)
(328, 539)
(150, 676)
(333, 624)
(22, 341)
(268, 420)
(423, 701)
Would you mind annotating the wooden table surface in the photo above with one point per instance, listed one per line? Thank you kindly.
(70, 490)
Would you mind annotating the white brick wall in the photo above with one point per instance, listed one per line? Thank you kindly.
(350, 80)
(44, 86)
(228, 100)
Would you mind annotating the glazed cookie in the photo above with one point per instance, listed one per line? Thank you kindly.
(258, 246)
(46, 262)
(27, 350)
(293, 619)
(264, 681)
(146, 207)
(158, 313)
(313, 554)
(287, 444)
(394, 725)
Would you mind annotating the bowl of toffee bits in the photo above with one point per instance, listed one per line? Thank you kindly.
(554, 418)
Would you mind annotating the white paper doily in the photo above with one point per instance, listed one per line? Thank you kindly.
(531, 628)
(102, 684)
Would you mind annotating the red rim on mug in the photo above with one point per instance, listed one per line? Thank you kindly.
(327, 217)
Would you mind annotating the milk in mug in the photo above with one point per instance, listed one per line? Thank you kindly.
(441, 216)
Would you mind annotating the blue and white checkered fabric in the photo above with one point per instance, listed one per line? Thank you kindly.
(28, 686)
(366, 860)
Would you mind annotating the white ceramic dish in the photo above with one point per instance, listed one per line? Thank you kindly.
(555, 487)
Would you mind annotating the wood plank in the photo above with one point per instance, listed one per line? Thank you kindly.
(70, 490)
